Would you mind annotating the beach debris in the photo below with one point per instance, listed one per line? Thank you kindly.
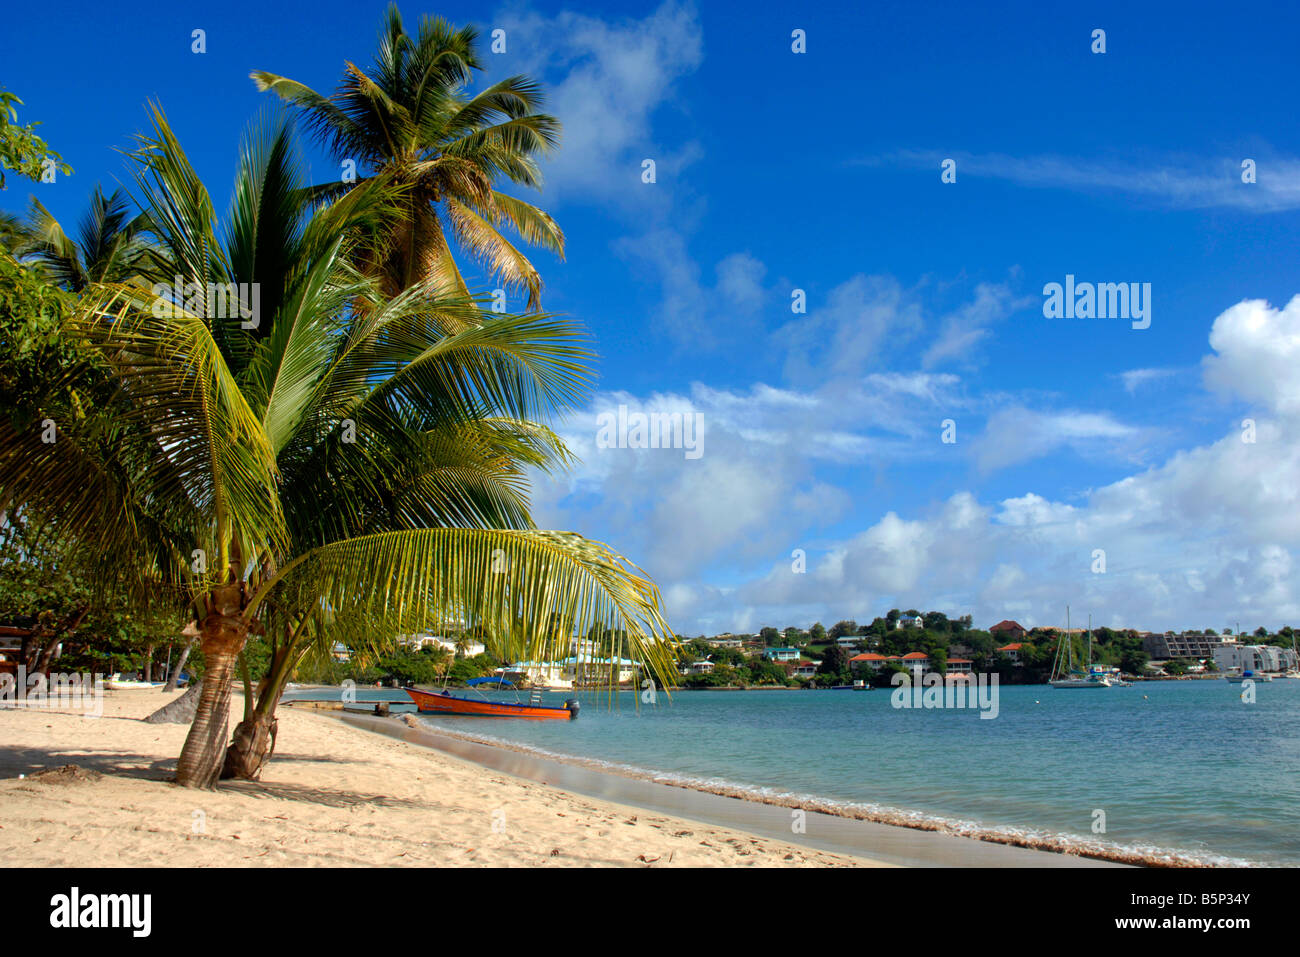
(411, 720)
(555, 852)
(66, 774)
(648, 860)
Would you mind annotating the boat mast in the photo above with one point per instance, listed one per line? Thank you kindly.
(1069, 641)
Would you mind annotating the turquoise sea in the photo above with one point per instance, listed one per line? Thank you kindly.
(1181, 766)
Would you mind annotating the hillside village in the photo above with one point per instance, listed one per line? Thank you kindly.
(913, 641)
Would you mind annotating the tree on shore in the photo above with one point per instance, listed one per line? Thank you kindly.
(408, 120)
(332, 460)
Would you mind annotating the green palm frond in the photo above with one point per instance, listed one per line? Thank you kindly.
(409, 115)
(514, 584)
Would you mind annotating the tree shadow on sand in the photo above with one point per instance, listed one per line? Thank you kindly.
(285, 791)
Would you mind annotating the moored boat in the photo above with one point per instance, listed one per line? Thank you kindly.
(115, 682)
(1247, 675)
(1064, 674)
(441, 702)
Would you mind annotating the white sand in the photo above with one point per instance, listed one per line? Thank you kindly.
(333, 795)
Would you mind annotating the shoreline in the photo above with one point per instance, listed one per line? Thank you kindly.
(98, 792)
(1047, 846)
(898, 839)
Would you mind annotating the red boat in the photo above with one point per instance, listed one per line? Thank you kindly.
(440, 702)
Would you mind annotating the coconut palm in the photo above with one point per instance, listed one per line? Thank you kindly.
(110, 246)
(410, 119)
(341, 462)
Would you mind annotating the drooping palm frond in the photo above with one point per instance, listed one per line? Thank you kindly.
(214, 454)
(514, 584)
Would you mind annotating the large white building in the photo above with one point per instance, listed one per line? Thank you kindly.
(1234, 657)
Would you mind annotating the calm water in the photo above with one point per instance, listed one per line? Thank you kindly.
(1183, 766)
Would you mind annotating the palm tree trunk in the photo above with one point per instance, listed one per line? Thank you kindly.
(254, 740)
(222, 637)
(180, 666)
(148, 663)
(251, 747)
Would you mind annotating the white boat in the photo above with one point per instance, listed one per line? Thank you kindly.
(1063, 673)
(116, 682)
(1237, 678)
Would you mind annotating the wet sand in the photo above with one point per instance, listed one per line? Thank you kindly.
(900, 840)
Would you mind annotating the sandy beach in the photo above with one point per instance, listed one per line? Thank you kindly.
(333, 795)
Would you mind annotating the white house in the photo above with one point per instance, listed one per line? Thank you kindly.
(781, 654)
(704, 667)
(805, 669)
(471, 648)
(914, 621)
(726, 642)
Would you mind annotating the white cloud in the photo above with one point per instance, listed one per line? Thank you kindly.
(1177, 182)
(1258, 353)
(692, 311)
(1133, 379)
(1016, 435)
(961, 332)
(606, 82)
(845, 336)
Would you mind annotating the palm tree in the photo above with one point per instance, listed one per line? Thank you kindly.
(409, 118)
(339, 466)
(110, 247)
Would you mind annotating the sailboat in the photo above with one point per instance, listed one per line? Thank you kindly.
(1063, 673)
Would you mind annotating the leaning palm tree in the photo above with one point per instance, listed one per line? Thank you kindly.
(333, 459)
(110, 246)
(409, 119)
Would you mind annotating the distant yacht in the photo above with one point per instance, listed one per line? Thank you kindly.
(1064, 674)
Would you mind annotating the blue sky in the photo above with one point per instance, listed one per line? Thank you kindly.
(821, 171)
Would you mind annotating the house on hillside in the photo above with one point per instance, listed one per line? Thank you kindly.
(1012, 651)
(915, 661)
(868, 660)
(910, 621)
(1008, 630)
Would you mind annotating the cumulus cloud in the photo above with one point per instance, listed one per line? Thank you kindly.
(1207, 536)
(1257, 353)
(606, 82)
